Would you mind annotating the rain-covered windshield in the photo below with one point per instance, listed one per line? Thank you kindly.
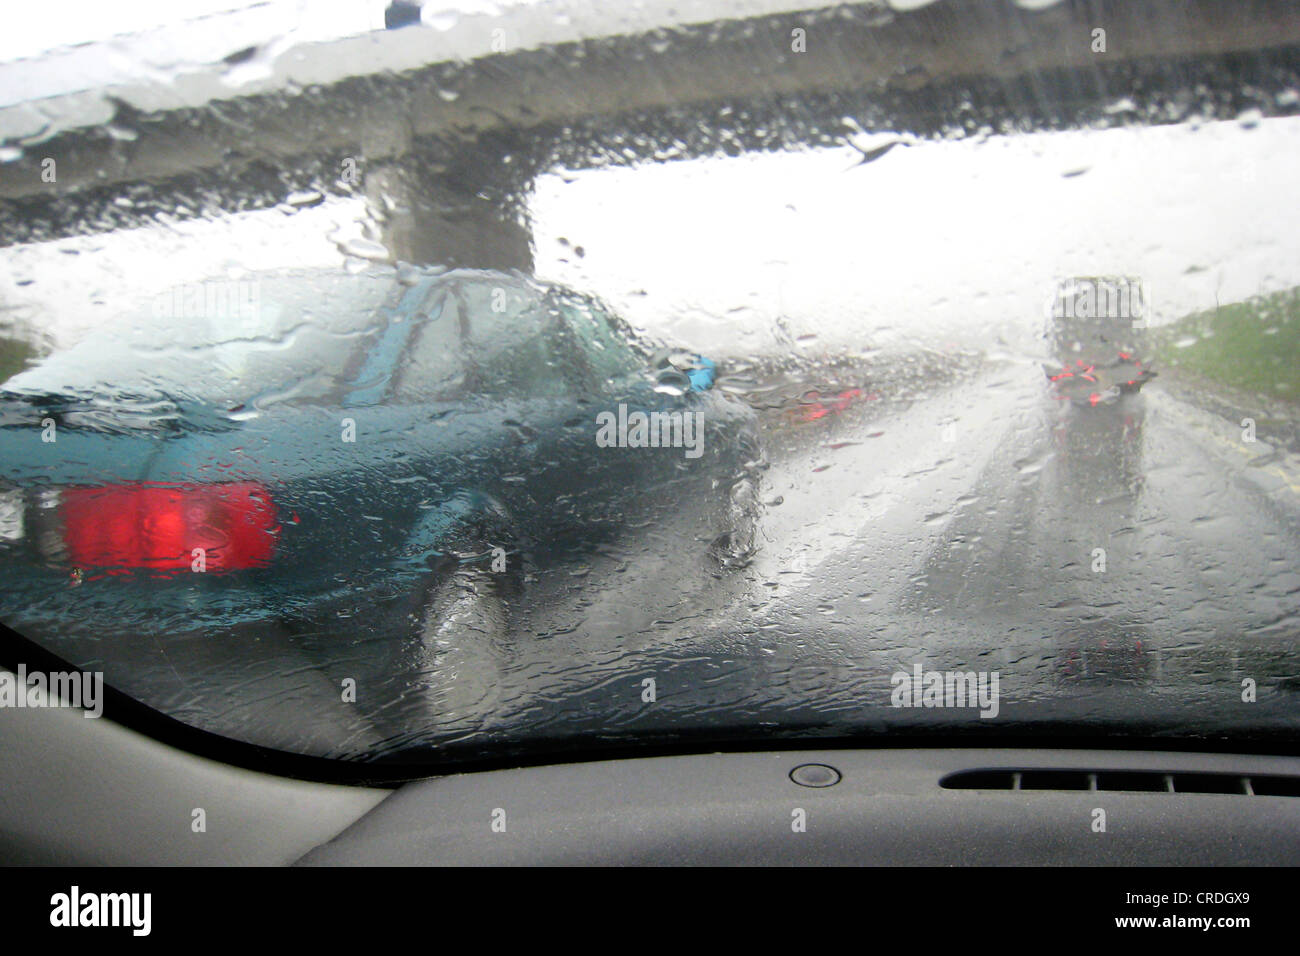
(424, 382)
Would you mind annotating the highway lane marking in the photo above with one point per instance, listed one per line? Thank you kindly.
(1180, 410)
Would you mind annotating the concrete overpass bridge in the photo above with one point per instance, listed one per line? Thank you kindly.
(447, 129)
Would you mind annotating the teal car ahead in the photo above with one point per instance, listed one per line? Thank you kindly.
(288, 453)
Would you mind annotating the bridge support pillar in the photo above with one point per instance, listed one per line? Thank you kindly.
(470, 215)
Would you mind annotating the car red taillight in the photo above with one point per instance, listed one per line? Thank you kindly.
(159, 527)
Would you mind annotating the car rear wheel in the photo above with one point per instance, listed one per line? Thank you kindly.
(738, 544)
(463, 645)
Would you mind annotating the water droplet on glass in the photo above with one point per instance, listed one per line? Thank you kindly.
(669, 381)
(363, 249)
(1249, 119)
(305, 197)
(442, 21)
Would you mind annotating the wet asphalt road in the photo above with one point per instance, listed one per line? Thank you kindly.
(988, 504)
(1103, 561)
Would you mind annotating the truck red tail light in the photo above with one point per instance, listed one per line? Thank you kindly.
(225, 526)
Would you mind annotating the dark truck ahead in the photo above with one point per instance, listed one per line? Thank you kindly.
(1097, 334)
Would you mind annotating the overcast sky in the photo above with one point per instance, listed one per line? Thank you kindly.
(30, 29)
(958, 239)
